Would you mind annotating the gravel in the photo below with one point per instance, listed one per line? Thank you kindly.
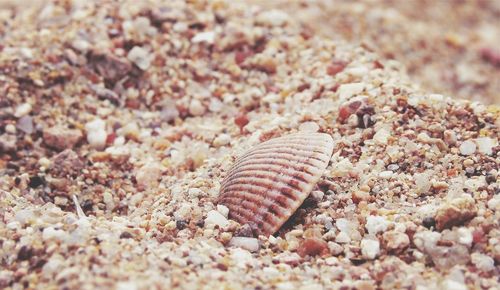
(151, 104)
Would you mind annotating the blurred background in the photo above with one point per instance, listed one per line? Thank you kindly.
(451, 47)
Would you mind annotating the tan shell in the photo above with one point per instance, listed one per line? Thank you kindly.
(268, 183)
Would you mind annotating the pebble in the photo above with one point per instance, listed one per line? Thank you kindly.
(335, 249)
(370, 248)
(376, 224)
(140, 57)
(206, 36)
(382, 136)
(465, 236)
(25, 124)
(467, 147)
(61, 138)
(222, 140)
(455, 213)
(485, 145)
(22, 110)
(450, 137)
(223, 210)
(241, 257)
(96, 133)
(385, 174)
(396, 241)
(272, 17)
(147, 176)
(196, 108)
(313, 247)
(51, 233)
(309, 127)
(348, 90)
(449, 284)
(249, 244)
(342, 238)
(216, 218)
(483, 262)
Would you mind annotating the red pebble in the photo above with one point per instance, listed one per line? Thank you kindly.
(241, 121)
(348, 108)
(313, 247)
(335, 67)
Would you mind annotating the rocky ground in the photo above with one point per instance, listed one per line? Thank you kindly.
(447, 47)
(118, 121)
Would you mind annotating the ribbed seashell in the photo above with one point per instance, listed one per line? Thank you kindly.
(268, 183)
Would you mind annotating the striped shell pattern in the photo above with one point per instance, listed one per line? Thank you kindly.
(268, 183)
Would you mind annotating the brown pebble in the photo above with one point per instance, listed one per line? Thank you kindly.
(455, 213)
(313, 247)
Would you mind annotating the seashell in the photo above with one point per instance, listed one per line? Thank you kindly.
(269, 182)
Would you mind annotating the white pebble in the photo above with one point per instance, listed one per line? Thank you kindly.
(207, 36)
(216, 218)
(385, 174)
(223, 210)
(222, 140)
(250, 244)
(467, 147)
(348, 90)
(376, 224)
(485, 145)
(382, 136)
(465, 236)
(22, 110)
(140, 57)
(96, 133)
(147, 176)
(196, 108)
(370, 248)
(311, 127)
(51, 233)
(483, 262)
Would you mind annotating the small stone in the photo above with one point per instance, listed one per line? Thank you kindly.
(370, 248)
(96, 133)
(148, 175)
(342, 238)
(222, 140)
(51, 233)
(25, 253)
(25, 124)
(449, 284)
(485, 145)
(126, 235)
(196, 108)
(61, 138)
(376, 224)
(396, 241)
(348, 90)
(483, 262)
(8, 143)
(272, 18)
(206, 36)
(335, 249)
(22, 110)
(216, 218)
(382, 136)
(309, 127)
(313, 247)
(249, 244)
(465, 236)
(455, 213)
(223, 210)
(467, 147)
(66, 163)
(385, 174)
(141, 57)
(450, 137)
(429, 222)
